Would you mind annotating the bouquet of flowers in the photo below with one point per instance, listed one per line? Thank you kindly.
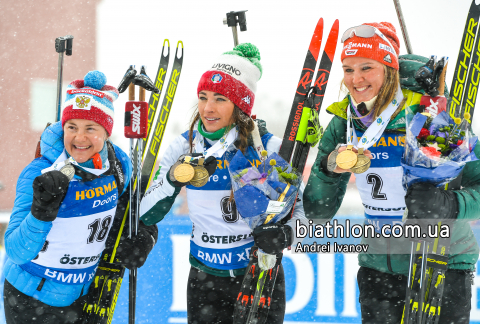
(436, 148)
(264, 194)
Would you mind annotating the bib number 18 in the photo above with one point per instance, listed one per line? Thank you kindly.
(99, 229)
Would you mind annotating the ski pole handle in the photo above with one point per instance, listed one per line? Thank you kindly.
(68, 50)
(62, 44)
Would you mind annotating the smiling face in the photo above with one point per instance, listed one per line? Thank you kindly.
(215, 110)
(83, 138)
(363, 77)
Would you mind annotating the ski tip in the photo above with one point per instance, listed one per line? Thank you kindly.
(179, 54)
(320, 22)
(166, 41)
(319, 27)
(336, 24)
(331, 45)
(316, 41)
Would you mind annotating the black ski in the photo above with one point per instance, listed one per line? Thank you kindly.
(428, 260)
(303, 86)
(151, 152)
(309, 119)
(104, 289)
(462, 85)
(302, 132)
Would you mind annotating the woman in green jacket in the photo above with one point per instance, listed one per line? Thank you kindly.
(376, 105)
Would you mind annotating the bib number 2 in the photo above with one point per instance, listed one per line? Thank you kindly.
(376, 181)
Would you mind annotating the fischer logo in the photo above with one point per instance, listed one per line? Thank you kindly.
(351, 52)
(468, 49)
(358, 45)
(136, 114)
(164, 112)
(230, 69)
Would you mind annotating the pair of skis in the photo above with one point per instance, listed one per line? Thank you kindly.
(428, 259)
(104, 290)
(302, 132)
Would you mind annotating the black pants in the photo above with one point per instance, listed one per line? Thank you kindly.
(211, 299)
(23, 309)
(382, 297)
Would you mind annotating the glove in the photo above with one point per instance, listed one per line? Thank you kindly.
(425, 201)
(49, 190)
(210, 164)
(132, 253)
(273, 238)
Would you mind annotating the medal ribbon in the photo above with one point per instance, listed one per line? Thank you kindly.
(62, 159)
(375, 130)
(219, 148)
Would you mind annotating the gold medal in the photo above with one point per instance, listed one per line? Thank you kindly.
(346, 159)
(200, 178)
(363, 162)
(184, 172)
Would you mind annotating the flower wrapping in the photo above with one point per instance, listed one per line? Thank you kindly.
(433, 150)
(255, 188)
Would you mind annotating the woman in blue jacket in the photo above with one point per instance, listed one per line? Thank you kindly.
(59, 227)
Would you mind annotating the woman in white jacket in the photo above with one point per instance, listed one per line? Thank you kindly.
(221, 242)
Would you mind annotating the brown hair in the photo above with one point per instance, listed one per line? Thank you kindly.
(386, 93)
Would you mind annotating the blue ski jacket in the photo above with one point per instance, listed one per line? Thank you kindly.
(26, 236)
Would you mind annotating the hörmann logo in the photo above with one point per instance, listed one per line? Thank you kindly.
(162, 119)
(461, 73)
(230, 69)
(136, 114)
(95, 192)
(357, 45)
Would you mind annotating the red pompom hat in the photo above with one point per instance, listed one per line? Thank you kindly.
(375, 47)
(235, 74)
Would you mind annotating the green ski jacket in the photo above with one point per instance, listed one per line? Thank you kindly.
(324, 194)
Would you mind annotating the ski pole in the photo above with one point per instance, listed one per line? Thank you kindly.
(401, 20)
(234, 18)
(62, 45)
(136, 122)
